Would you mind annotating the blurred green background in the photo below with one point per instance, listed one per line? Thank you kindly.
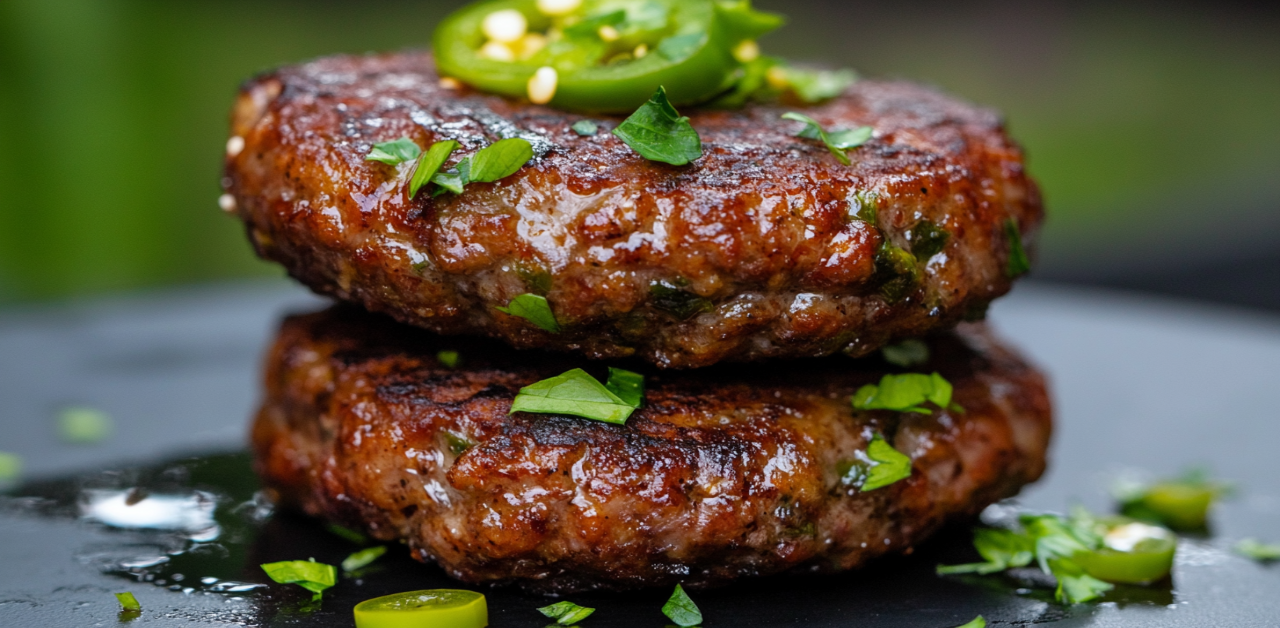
(1154, 128)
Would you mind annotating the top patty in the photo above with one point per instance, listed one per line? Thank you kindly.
(764, 247)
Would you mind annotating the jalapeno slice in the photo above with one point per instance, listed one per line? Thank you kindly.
(1132, 553)
(609, 56)
(431, 608)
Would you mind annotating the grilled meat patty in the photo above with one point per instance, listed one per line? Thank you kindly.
(730, 471)
(765, 247)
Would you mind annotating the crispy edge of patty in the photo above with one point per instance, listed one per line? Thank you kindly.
(760, 235)
(724, 473)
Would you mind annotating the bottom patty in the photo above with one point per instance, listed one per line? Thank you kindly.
(724, 472)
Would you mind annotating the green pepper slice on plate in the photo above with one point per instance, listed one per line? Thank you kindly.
(1132, 553)
(430, 608)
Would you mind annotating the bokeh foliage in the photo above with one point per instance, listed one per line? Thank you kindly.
(113, 113)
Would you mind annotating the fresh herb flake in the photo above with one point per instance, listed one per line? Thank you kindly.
(927, 239)
(976, 622)
(1018, 262)
(448, 182)
(585, 128)
(308, 574)
(394, 152)
(458, 445)
(815, 86)
(838, 141)
(1257, 550)
(535, 309)
(128, 602)
(659, 133)
(576, 393)
(909, 353)
(499, 160)
(672, 297)
(891, 465)
(83, 425)
(347, 533)
(628, 386)
(429, 164)
(566, 613)
(681, 610)
(10, 466)
(363, 558)
(447, 359)
(906, 392)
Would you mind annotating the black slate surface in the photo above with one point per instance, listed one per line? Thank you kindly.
(1140, 385)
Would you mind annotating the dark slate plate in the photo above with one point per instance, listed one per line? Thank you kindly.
(1141, 386)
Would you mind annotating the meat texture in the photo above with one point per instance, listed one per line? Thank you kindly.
(765, 247)
(724, 472)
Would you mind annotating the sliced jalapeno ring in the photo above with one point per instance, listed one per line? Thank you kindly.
(1134, 553)
(431, 608)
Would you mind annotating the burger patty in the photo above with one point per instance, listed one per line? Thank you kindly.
(764, 247)
(725, 472)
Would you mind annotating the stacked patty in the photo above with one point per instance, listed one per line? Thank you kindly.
(752, 288)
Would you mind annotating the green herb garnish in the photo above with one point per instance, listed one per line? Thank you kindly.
(628, 386)
(814, 86)
(429, 164)
(308, 574)
(1018, 262)
(890, 466)
(347, 533)
(906, 354)
(906, 392)
(585, 128)
(499, 160)
(83, 425)
(659, 133)
(681, 610)
(10, 466)
(976, 622)
(394, 152)
(128, 602)
(535, 309)
(895, 272)
(1257, 550)
(672, 298)
(363, 558)
(566, 613)
(838, 141)
(927, 239)
(574, 392)
(458, 445)
(447, 359)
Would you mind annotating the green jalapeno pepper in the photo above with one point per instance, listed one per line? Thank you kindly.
(1132, 553)
(687, 45)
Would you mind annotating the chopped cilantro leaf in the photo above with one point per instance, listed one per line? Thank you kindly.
(363, 558)
(394, 152)
(908, 353)
(659, 133)
(128, 602)
(1018, 262)
(672, 298)
(535, 309)
(308, 574)
(499, 160)
(585, 128)
(1257, 550)
(838, 141)
(628, 386)
(891, 465)
(927, 239)
(429, 164)
(447, 359)
(347, 533)
(681, 610)
(566, 613)
(574, 392)
(906, 392)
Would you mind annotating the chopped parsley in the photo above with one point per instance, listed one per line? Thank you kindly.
(394, 152)
(628, 386)
(447, 359)
(659, 133)
(83, 425)
(906, 392)
(363, 558)
(1018, 262)
(976, 622)
(890, 465)
(308, 574)
(681, 610)
(1257, 550)
(837, 141)
(347, 533)
(895, 272)
(576, 393)
(814, 86)
(906, 354)
(927, 239)
(566, 613)
(128, 602)
(585, 128)
(429, 164)
(672, 297)
(499, 160)
(535, 309)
